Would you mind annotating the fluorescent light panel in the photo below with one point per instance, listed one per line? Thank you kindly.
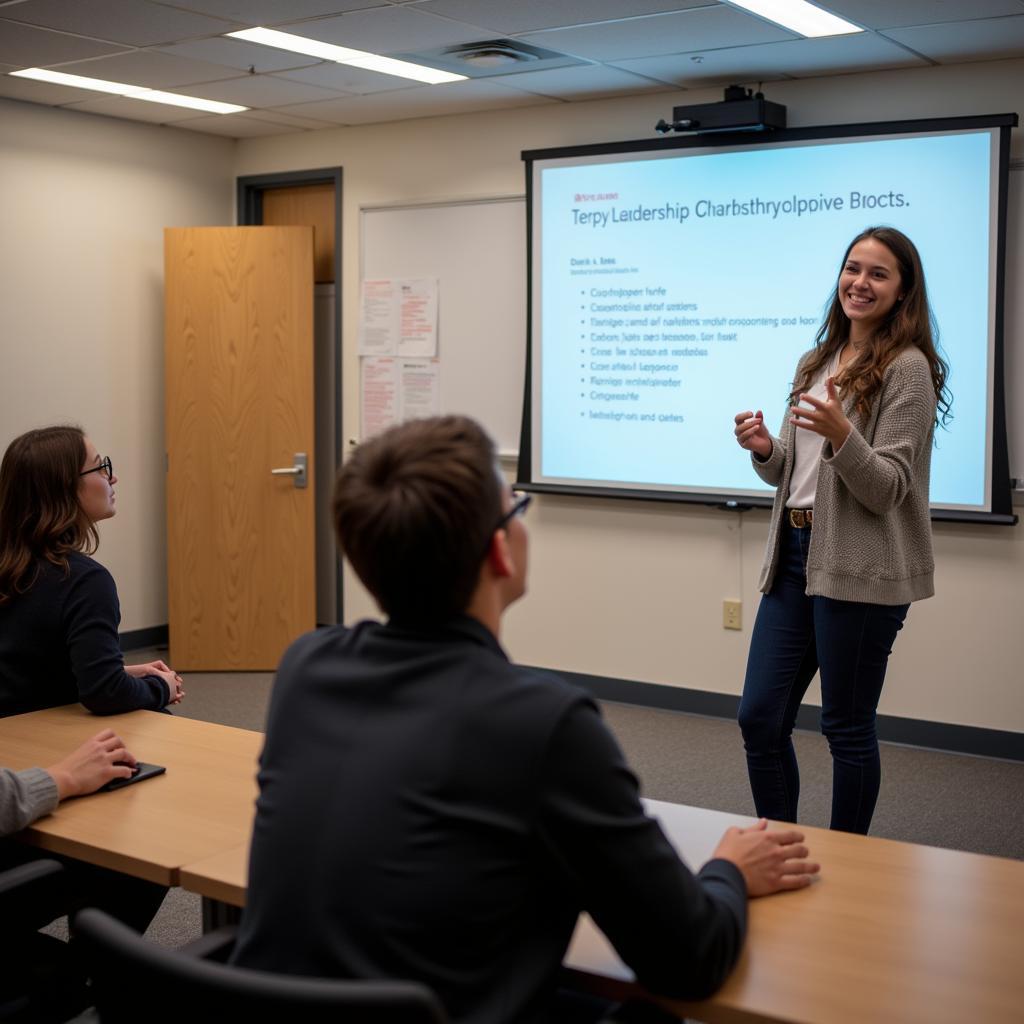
(345, 55)
(799, 16)
(132, 92)
(297, 44)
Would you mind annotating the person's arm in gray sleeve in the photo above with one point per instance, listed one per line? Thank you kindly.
(29, 794)
(24, 797)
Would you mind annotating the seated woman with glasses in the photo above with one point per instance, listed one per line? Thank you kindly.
(59, 612)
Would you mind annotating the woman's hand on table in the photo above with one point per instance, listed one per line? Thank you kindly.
(93, 764)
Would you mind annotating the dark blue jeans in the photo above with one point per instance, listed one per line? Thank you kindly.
(794, 637)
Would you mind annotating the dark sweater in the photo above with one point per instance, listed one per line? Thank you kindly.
(59, 645)
(430, 811)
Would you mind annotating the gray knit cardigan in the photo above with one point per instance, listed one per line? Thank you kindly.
(25, 796)
(872, 536)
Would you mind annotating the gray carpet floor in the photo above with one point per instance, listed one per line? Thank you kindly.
(931, 797)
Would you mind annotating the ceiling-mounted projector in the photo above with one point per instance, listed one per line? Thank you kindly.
(740, 111)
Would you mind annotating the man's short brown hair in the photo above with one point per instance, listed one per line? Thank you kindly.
(414, 509)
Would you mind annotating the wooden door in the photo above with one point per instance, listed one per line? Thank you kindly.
(307, 204)
(239, 403)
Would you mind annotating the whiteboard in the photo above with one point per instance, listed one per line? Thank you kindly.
(1013, 321)
(476, 249)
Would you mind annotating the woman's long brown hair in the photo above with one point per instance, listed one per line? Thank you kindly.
(40, 515)
(910, 322)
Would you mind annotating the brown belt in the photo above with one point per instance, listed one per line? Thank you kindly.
(800, 517)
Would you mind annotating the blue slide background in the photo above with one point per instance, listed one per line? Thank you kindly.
(742, 266)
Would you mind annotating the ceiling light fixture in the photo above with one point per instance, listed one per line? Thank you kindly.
(132, 92)
(345, 55)
(799, 16)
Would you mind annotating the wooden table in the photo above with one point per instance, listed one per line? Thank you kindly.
(221, 877)
(892, 932)
(203, 804)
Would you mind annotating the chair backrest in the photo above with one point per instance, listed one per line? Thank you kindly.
(31, 895)
(134, 980)
(38, 978)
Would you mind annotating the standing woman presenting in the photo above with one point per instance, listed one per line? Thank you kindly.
(849, 545)
(59, 612)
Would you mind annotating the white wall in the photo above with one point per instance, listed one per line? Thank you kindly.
(631, 589)
(83, 203)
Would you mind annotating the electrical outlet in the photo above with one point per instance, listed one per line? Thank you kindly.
(732, 614)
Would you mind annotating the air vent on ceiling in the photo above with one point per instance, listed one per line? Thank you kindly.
(491, 57)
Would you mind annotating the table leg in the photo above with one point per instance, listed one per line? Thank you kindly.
(217, 914)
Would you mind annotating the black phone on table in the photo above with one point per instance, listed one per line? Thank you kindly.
(142, 771)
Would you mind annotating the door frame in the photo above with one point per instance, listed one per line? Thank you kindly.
(249, 213)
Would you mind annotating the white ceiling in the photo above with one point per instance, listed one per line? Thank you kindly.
(625, 47)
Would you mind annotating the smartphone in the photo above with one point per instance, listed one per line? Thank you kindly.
(142, 771)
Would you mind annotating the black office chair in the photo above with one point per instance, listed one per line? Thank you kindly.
(134, 980)
(39, 978)
(31, 895)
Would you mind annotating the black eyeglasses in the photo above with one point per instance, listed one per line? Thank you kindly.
(106, 467)
(520, 503)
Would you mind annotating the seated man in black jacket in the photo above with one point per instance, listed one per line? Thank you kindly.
(430, 811)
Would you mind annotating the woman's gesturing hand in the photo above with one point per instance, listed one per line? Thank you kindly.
(825, 418)
(752, 434)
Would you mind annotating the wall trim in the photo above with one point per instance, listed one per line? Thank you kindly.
(139, 639)
(959, 739)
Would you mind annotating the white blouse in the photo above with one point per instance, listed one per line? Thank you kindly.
(807, 450)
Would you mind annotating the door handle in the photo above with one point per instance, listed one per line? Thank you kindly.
(299, 472)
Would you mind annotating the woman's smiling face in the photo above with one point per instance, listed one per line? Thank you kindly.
(869, 286)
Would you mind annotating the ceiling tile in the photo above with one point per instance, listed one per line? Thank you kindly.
(150, 68)
(276, 117)
(30, 47)
(358, 81)
(887, 14)
(795, 58)
(386, 30)
(992, 39)
(722, 79)
(238, 126)
(135, 110)
(424, 101)
(264, 91)
(234, 53)
(534, 15)
(273, 12)
(124, 21)
(589, 82)
(700, 29)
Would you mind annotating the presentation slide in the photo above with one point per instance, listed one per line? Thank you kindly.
(674, 289)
